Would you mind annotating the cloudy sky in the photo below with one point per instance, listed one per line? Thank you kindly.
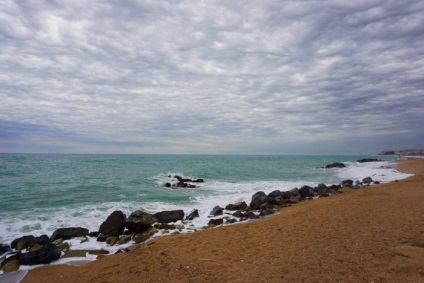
(230, 77)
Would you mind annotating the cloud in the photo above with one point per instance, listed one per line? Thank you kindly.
(213, 76)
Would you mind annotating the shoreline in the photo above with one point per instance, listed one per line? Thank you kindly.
(197, 255)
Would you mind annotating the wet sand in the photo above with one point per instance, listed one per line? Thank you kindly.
(372, 234)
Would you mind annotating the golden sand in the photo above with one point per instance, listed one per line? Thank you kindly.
(372, 234)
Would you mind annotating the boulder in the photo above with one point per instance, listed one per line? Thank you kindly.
(346, 183)
(292, 196)
(367, 180)
(217, 210)
(68, 233)
(364, 160)
(111, 241)
(139, 221)
(267, 212)
(238, 214)
(10, 266)
(258, 199)
(114, 225)
(251, 215)
(10, 259)
(26, 242)
(236, 206)
(94, 234)
(48, 253)
(193, 214)
(335, 165)
(218, 221)
(75, 253)
(275, 198)
(169, 216)
(4, 248)
(306, 191)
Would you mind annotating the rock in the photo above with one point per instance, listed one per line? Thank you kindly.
(216, 222)
(346, 183)
(193, 214)
(93, 234)
(114, 225)
(364, 160)
(238, 214)
(4, 248)
(124, 239)
(267, 212)
(367, 180)
(9, 260)
(169, 216)
(26, 242)
(275, 198)
(236, 206)
(217, 210)
(230, 221)
(35, 247)
(168, 185)
(357, 185)
(146, 235)
(98, 252)
(68, 233)
(258, 199)
(139, 221)
(111, 241)
(11, 266)
(306, 191)
(58, 242)
(251, 215)
(102, 238)
(335, 165)
(48, 253)
(376, 182)
(292, 196)
(75, 253)
(199, 181)
(64, 247)
(164, 226)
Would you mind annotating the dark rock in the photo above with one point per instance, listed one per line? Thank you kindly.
(335, 187)
(48, 253)
(292, 196)
(367, 180)
(168, 185)
(324, 195)
(218, 221)
(376, 182)
(267, 212)
(169, 216)
(217, 210)
(275, 198)
(306, 191)
(11, 266)
(75, 253)
(258, 199)
(193, 214)
(102, 238)
(238, 214)
(139, 221)
(364, 160)
(335, 165)
(230, 221)
(346, 183)
(236, 206)
(41, 240)
(4, 248)
(199, 181)
(114, 224)
(94, 234)
(251, 215)
(10, 259)
(27, 242)
(68, 233)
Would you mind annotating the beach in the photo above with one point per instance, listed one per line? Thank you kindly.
(375, 234)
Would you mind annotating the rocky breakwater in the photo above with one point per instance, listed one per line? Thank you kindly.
(177, 182)
(117, 230)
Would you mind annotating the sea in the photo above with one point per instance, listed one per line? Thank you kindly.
(40, 193)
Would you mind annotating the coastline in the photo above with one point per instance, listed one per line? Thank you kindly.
(359, 236)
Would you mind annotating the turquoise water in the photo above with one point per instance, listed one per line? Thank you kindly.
(42, 192)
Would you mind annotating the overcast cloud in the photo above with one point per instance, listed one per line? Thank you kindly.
(267, 77)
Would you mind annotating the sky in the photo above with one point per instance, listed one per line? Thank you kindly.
(211, 77)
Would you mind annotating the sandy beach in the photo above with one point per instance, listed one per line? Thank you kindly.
(374, 234)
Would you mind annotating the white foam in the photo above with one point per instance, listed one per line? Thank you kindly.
(381, 171)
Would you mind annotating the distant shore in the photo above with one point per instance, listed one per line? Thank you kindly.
(371, 234)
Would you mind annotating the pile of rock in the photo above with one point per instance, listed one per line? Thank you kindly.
(182, 182)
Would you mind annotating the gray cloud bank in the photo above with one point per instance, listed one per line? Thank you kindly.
(211, 76)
